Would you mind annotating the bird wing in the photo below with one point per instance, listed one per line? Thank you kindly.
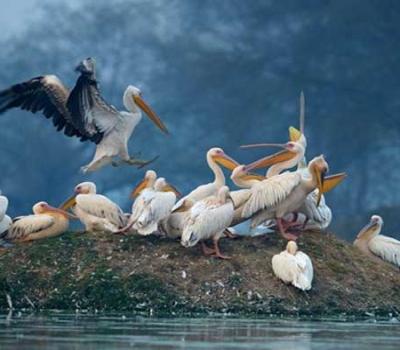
(240, 197)
(101, 207)
(28, 225)
(46, 94)
(91, 113)
(269, 193)
(3, 207)
(320, 216)
(305, 271)
(387, 248)
(284, 266)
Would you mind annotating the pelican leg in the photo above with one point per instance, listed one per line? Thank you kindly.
(140, 163)
(229, 234)
(218, 253)
(206, 250)
(282, 231)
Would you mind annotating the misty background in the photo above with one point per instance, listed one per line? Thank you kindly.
(219, 73)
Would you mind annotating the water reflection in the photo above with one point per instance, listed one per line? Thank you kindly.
(79, 332)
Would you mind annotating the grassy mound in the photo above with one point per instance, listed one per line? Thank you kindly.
(156, 276)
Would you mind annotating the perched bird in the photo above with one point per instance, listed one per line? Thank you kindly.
(5, 220)
(208, 219)
(46, 221)
(83, 112)
(95, 211)
(173, 225)
(294, 267)
(371, 242)
(279, 195)
(153, 205)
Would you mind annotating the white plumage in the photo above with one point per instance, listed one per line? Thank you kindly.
(294, 267)
(370, 241)
(154, 205)
(5, 220)
(208, 219)
(95, 211)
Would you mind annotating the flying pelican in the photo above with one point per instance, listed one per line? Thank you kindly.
(46, 221)
(5, 220)
(279, 195)
(83, 112)
(293, 266)
(95, 211)
(371, 242)
(208, 219)
(154, 205)
(173, 225)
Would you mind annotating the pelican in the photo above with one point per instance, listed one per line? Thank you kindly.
(153, 205)
(95, 211)
(371, 242)
(46, 221)
(83, 112)
(294, 267)
(5, 220)
(279, 195)
(173, 225)
(208, 219)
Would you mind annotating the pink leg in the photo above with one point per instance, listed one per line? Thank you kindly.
(286, 235)
(206, 250)
(218, 253)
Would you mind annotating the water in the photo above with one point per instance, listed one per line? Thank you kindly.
(97, 333)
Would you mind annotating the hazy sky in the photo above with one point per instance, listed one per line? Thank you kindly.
(15, 15)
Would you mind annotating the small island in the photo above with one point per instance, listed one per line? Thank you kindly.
(158, 277)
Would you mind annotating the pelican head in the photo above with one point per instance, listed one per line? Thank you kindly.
(147, 182)
(291, 247)
(189, 238)
(218, 155)
(82, 188)
(292, 153)
(132, 99)
(86, 188)
(45, 208)
(242, 173)
(87, 66)
(372, 229)
(162, 185)
(318, 167)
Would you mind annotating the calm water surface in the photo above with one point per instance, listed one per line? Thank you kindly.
(74, 332)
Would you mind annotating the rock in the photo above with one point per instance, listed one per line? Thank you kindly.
(106, 273)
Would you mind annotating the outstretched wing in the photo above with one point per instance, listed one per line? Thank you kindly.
(269, 193)
(46, 94)
(90, 112)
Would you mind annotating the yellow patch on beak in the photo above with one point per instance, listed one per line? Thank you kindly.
(294, 134)
(332, 181)
(253, 176)
(69, 203)
(226, 161)
(139, 188)
(150, 113)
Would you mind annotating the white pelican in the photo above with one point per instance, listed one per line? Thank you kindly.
(208, 219)
(153, 205)
(5, 220)
(173, 225)
(371, 242)
(293, 266)
(46, 221)
(95, 211)
(279, 195)
(83, 112)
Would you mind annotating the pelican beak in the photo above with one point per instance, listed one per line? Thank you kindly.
(332, 181)
(278, 157)
(320, 183)
(61, 211)
(139, 188)
(170, 188)
(294, 134)
(253, 176)
(226, 161)
(69, 203)
(150, 113)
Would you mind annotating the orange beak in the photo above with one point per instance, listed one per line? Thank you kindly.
(150, 113)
